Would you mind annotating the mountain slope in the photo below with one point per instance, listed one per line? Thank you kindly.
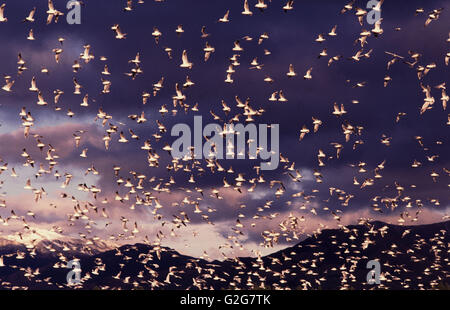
(412, 257)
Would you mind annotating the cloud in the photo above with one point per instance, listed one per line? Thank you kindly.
(291, 40)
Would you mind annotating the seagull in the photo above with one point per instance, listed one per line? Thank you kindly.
(246, 9)
(85, 102)
(434, 15)
(86, 55)
(237, 47)
(357, 56)
(129, 6)
(119, 34)
(84, 153)
(303, 132)
(320, 38)
(185, 62)
(348, 7)
(41, 100)
(208, 49)
(179, 30)
(30, 35)
(273, 97)
(308, 75)
(281, 97)
(52, 13)
(2, 13)
(333, 59)
(444, 98)
(288, 6)
(261, 5)
(225, 18)
(33, 87)
(387, 79)
(377, 7)
(203, 32)
(360, 13)
(377, 28)
(316, 123)
(30, 17)
(291, 72)
(332, 33)
(9, 84)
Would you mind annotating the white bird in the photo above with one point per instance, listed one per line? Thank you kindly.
(444, 98)
(156, 34)
(288, 6)
(52, 13)
(308, 75)
(31, 35)
(378, 6)
(332, 33)
(320, 38)
(2, 13)
(84, 153)
(291, 72)
(30, 17)
(85, 102)
(185, 62)
(9, 84)
(377, 30)
(119, 34)
(33, 87)
(179, 30)
(246, 9)
(225, 18)
(41, 100)
(281, 96)
(261, 5)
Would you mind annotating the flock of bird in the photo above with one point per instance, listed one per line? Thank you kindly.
(144, 190)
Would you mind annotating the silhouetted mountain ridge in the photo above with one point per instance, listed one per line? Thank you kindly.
(411, 257)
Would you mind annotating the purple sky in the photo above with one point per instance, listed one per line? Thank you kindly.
(291, 41)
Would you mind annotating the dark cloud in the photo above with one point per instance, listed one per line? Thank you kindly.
(291, 41)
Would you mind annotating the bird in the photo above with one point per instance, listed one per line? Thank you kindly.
(333, 33)
(303, 132)
(317, 123)
(225, 18)
(360, 14)
(281, 96)
(33, 87)
(129, 6)
(185, 62)
(288, 6)
(179, 30)
(30, 17)
(2, 13)
(52, 13)
(261, 5)
(348, 7)
(433, 15)
(444, 98)
(8, 84)
(291, 72)
(308, 75)
(246, 9)
(118, 31)
(133, 197)
(31, 35)
(320, 38)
